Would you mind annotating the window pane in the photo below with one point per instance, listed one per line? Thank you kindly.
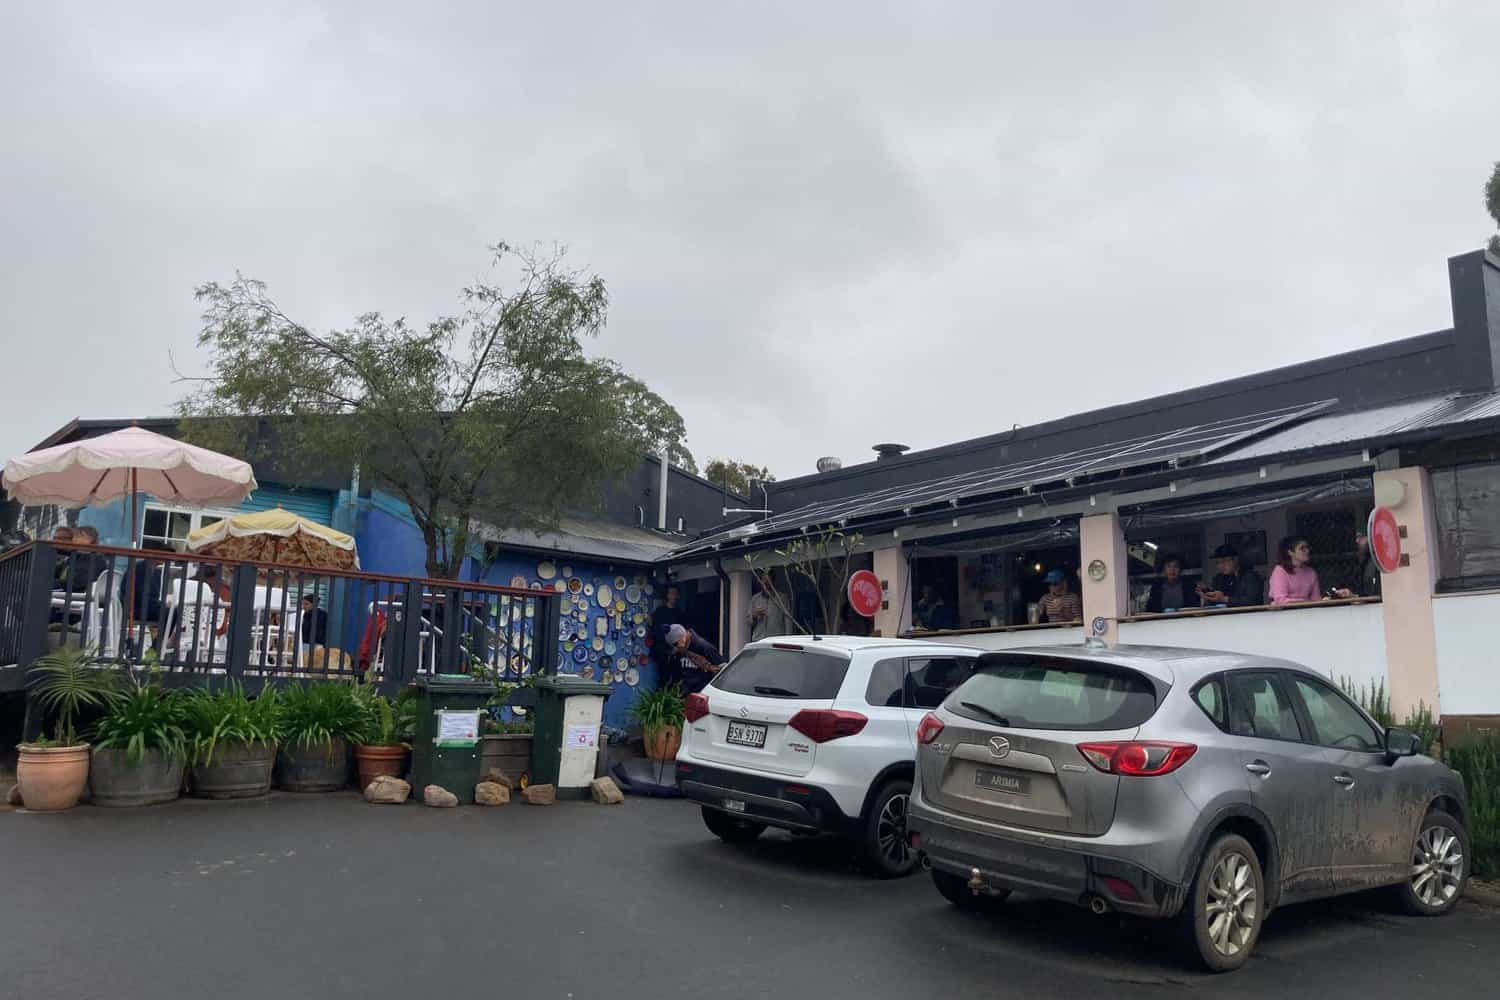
(783, 673)
(207, 519)
(181, 524)
(1047, 693)
(156, 522)
(930, 681)
(1337, 722)
(1257, 708)
(885, 683)
(1210, 698)
(1467, 507)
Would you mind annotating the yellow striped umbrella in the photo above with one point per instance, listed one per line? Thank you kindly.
(276, 536)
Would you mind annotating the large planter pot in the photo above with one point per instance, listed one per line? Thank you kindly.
(114, 780)
(373, 761)
(509, 753)
(237, 771)
(52, 778)
(316, 767)
(662, 742)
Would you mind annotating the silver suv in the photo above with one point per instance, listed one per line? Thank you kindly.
(1206, 786)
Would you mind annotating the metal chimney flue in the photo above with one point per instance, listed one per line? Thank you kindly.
(888, 451)
(830, 463)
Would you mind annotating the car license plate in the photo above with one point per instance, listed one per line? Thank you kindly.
(734, 805)
(1002, 781)
(746, 734)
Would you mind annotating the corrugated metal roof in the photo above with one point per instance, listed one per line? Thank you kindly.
(580, 537)
(1426, 413)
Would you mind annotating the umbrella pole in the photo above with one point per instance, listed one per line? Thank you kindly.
(128, 611)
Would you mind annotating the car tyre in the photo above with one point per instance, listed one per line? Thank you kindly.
(1439, 867)
(729, 829)
(1226, 905)
(955, 889)
(882, 843)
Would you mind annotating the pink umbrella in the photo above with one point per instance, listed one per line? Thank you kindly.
(100, 470)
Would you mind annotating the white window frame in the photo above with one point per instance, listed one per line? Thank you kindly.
(195, 515)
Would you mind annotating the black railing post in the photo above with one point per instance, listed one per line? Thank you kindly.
(410, 636)
(544, 632)
(447, 608)
(241, 621)
(35, 617)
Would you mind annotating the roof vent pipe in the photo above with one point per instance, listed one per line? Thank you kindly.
(830, 463)
(661, 494)
(884, 452)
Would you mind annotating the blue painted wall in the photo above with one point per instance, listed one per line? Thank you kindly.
(389, 542)
(113, 520)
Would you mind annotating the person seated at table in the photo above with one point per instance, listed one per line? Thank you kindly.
(1058, 605)
(932, 612)
(314, 622)
(1294, 580)
(1365, 579)
(210, 582)
(1171, 592)
(691, 659)
(1234, 585)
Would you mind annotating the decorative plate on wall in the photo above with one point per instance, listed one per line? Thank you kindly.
(518, 581)
(546, 570)
(597, 644)
(609, 646)
(587, 673)
(604, 595)
(619, 583)
(566, 571)
(575, 585)
(580, 654)
(632, 677)
(559, 586)
(633, 594)
(588, 588)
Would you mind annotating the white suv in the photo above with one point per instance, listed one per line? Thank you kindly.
(817, 734)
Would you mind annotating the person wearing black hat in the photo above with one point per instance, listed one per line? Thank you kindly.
(1233, 586)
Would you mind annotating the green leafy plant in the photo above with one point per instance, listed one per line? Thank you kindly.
(317, 714)
(1372, 697)
(69, 682)
(1478, 760)
(229, 715)
(143, 718)
(660, 708)
(387, 723)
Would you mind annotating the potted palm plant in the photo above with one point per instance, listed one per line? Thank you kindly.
(140, 747)
(660, 713)
(382, 744)
(52, 772)
(232, 741)
(318, 722)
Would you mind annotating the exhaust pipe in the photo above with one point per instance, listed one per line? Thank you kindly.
(1098, 905)
(976, 881)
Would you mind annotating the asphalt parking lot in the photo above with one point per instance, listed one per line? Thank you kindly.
(326, 896)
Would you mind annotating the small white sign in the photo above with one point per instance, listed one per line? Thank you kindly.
(457, 727)
(582, 738)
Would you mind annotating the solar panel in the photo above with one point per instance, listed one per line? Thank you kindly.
(1170, 449)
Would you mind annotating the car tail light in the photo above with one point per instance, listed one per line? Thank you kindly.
(823, 724)
(695, 707)
(928, 728)
(1137, 758)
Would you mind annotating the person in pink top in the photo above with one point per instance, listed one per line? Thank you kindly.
(1293, 580)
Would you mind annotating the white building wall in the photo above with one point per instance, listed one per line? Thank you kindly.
(1342, 641)
(1024, 637)
(1468, 663)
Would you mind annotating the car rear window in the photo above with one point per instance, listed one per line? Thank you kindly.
(1054, 693)
(768, 672)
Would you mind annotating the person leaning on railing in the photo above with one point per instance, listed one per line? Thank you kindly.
(1294, 581)
(1234, 585)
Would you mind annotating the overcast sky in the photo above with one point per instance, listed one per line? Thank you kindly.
(823, 225)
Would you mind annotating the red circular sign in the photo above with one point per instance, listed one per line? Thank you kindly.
(1385, 539)
(864, 593)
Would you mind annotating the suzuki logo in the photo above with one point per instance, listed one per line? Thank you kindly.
(999, 746)
(744, 712)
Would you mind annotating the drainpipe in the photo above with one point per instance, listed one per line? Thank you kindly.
(723, 599)
(661, 495)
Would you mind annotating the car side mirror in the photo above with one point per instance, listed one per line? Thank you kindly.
(1401, 743)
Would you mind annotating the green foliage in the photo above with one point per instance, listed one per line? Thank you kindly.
(736, 476)
(473, 416)
(386, 723)
(68, 682)
(1422, 722)
(317, 714)
(143, 718)
(1478, 760)
(663, 706)
(822, 562)
(492, 727)
(1372, 697)
(229, 715)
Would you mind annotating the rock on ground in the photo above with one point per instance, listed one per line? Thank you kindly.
(387, 790)
(13, 796)
(436, 795)
(539, 795)
(606, 792)
(491, 793)
(495, 776)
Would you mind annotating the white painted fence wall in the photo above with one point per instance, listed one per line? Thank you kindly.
(1467, 655)
(1011, 640)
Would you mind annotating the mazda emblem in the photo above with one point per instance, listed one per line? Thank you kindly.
(999, 746)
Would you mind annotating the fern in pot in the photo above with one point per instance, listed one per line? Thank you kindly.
(382, 744)
(140, 747)
(231, 741)
(660, 713)
(52, 771)
(318, 724)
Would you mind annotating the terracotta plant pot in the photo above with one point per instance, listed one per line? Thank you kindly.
(374, 761)
(52, 778)
(115, 780)
(662, 743)
(319, 767)
(237, 771)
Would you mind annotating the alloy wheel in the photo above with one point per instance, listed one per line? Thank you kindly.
(890, 830)
(1437, 866)
(1232, 908)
